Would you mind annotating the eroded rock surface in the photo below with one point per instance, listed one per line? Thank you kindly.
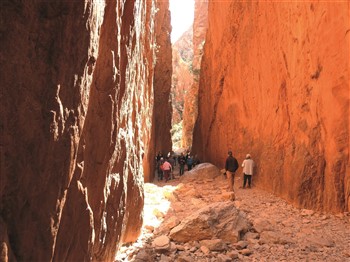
(274, 83)
(162, 109)
(76, 114)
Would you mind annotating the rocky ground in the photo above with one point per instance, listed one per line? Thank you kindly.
(194, 218)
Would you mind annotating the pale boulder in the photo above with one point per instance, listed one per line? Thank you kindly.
(218, 220)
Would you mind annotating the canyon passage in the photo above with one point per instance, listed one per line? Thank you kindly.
(86, 102)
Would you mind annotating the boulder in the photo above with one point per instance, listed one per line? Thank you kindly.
(218, 220)
(201, 172)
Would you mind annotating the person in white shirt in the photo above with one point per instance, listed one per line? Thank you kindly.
(248, 168)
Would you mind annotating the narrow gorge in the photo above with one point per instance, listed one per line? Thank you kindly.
(85, 105)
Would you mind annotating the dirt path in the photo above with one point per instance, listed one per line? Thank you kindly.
(279, 232)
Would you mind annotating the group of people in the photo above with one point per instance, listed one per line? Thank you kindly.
(165, 166)
(187, 160)
(231, 166)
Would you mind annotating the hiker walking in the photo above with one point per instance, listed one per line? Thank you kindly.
(182, 162)
(171, 162)
(231, 166)
(159, 169)
(189, 162)
(248, 167)
(167, 168)
(159, 156)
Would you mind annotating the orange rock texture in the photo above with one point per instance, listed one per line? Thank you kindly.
(162, 82)
(76, 115)
(182, 80)
(274, 83)
(200, 25)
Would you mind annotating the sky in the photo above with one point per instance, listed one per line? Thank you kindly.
(182, 13)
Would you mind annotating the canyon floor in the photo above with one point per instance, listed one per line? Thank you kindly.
(275, 230)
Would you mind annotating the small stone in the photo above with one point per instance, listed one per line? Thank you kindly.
(143, 256)
(180, 247)
(164, 258)
(340, 215)
(214, 244)
(237, 203)
(228, 196)
(184, 258)
(324, 217)
(320, 241)
(149, 228)
(173, 246)
(241, 244)
(261, 225)
(233, 254)
(251, 235)
(270, 237)
(205, 250)
(161, 244)
(193, 249)
(307, 212)
(246, 252)
(223, 258)
(158, 213)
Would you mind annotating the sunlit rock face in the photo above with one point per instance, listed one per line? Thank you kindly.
(187, 53)
(274, 83)
(162, 81)
(182, 80)
(76, 106)
(200, 25)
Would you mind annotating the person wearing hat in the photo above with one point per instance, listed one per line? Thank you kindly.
(231, 165)
(248, 167)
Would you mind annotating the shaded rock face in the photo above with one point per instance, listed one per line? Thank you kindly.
(275, 83)
(76, 107)
(162, 82)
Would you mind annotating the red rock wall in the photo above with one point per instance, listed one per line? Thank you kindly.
(76, 105)
(182, 81)
(162, 83)
(200, 25)
(275, 83)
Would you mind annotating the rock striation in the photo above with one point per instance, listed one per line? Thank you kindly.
(162, 107)
(274, 83)
(76, 115)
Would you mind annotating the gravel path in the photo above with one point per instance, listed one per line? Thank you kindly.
(279, 232)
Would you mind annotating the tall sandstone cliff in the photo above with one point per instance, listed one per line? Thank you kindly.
(274, 83)
(76, 114)
(182, 80)
(162, 82)
(191, 102)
